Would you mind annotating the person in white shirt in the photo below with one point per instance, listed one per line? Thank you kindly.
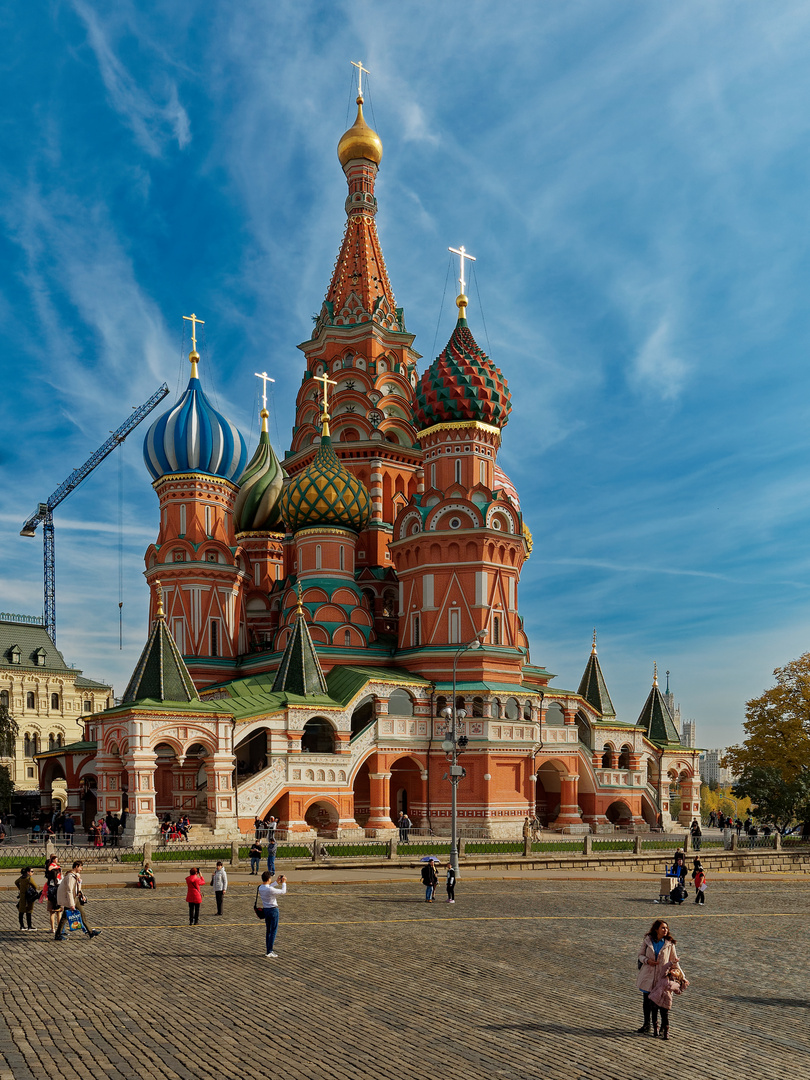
(268, 898)
(219, 881)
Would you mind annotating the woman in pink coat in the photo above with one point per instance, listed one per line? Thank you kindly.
(656, 956)
(193, 895)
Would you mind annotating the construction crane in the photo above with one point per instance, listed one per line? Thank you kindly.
(44, 511)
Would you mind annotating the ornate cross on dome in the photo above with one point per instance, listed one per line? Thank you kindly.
(360, 69)
(326, 383)
(462, 255)
(192, 318)
(265, 380)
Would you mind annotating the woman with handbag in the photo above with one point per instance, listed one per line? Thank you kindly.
(53, 875)
(655, 958)
(27, 896)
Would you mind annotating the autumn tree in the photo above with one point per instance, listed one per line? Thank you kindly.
(8, 732)
(773, 764)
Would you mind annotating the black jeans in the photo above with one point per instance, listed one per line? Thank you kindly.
(193, 914)
(451, 891)
(219, 896)
(650, 1010)
(27, 916)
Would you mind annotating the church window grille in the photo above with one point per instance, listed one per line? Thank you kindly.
(257, 573)
(4, 698)
(455, 626)
(458, 470)
(433, 475)
(178, 556)
(482, 471)
(208, 520)
(416, 632)
(347, 637)
(317, 556)
(30, 702)
(54, 701)
(342, 557)
(478, 706)
(215, 637)
(496, 630)
(182, 519)
(211, 556)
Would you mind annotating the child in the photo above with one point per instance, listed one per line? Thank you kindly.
(699, 875)
(451, 885)
(674, 982)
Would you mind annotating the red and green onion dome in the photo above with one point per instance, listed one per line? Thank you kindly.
(257, 507)
(461, 384)
(326, 494)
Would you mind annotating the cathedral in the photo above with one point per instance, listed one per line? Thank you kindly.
(316, 620)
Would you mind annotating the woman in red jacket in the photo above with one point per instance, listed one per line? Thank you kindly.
(194, 896)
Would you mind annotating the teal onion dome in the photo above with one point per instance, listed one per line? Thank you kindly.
(327, 494)
(462, 384)
(193, 437)
(257, 506)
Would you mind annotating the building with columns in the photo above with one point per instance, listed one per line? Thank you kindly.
(312, 617)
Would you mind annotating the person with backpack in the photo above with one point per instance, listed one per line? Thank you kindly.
(430, 879)
(27, 894)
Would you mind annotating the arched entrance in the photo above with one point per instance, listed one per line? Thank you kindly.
(406, 789)
(619, 813)
(323, 817)
(547, 794)
(318, 737)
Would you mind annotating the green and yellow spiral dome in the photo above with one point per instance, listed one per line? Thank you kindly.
(326, 494)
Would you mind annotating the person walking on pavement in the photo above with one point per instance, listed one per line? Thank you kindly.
(699, 875)
(27, 894)
(69, 897)
(219, 882)
(696, 834)
(272, 848)
(255, 856)
(430, 879)
(194, 882)
(268, 894)
(53, 875)
(655, 958)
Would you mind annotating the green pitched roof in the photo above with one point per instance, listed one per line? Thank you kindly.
(161, 673)
(29, 638)
(656, 720)
(300, 671)
(593, 687)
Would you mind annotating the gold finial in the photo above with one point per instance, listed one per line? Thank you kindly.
(655, 673)
(360, 69)
(160, 613)
(264, 413)
(300, 592)
(194, 356)
(593, 647)
(461, 299)
(325, 411)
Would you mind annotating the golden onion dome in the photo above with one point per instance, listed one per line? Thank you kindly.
(360, 141)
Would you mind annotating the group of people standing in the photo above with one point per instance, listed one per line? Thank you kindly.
(62, 893)
(430, 879)
(175, 830)
(194, 884)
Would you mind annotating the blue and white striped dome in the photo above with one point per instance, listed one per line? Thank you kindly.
(193, 437)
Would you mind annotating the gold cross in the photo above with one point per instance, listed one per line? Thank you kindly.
(265, 380)
(360, 69)
(326, 382)
(462, 255)
(192, 318)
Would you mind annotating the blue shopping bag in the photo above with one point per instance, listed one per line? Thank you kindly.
(74, 919)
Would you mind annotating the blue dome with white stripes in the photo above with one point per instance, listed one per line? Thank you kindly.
(193, 437)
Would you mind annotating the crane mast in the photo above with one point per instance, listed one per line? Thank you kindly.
(44, 512)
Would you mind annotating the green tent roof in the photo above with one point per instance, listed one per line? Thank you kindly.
(593, 687)
(656, 720)
(161, 673)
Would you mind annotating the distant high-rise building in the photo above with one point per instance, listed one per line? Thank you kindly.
(689, 733)
(711, 769)
(674, 710)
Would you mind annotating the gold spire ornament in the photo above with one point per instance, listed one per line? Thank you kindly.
(327, 382)
(264, 414)
(194, 356)
(461, 299)
(300, 601)
(160, 613)
(593, 647)
(360, 141)
(655, 673)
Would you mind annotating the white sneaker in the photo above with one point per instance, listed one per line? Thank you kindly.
(273, 954)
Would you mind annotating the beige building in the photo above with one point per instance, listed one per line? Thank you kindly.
(47, 698)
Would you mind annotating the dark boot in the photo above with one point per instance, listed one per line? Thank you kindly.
(655, 1029)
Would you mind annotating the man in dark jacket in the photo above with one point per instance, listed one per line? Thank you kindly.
(430, 879)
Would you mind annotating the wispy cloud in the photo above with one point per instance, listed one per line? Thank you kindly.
(656, 369)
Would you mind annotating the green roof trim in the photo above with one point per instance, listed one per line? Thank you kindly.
(80, 747)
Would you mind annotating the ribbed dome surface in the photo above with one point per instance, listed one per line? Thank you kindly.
(193, 437)
(326, 493)
(257, 504)
(462, 383)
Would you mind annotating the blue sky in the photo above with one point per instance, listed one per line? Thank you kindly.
(632, 179)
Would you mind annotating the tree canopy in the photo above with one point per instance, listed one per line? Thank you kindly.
(8, 732)
(773, 764)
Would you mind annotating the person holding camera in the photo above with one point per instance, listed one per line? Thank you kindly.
(268, 894)
(194, 882)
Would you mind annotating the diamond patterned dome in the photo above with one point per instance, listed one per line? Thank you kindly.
(461, 384)
(326, 493)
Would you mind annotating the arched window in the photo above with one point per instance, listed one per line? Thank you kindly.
(512, 709)
(370, 599)
(482, 472)
(27, 744)
(478, 706)
(4, 698)
(400, 703)
(607, 758)
(527, 710)
(347, 637)
(433, 475)
(208, 520)
(54, 701)
(30, 703)
(624, 757)
(59, 740)
(390, 605)
(182, 519)
(441, 704)
(51, 742)
(460, 704)
(318, 737)
(35, 744)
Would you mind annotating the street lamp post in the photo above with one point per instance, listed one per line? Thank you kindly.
(451, 746)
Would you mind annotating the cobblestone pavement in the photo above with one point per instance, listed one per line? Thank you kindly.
(523, 979)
